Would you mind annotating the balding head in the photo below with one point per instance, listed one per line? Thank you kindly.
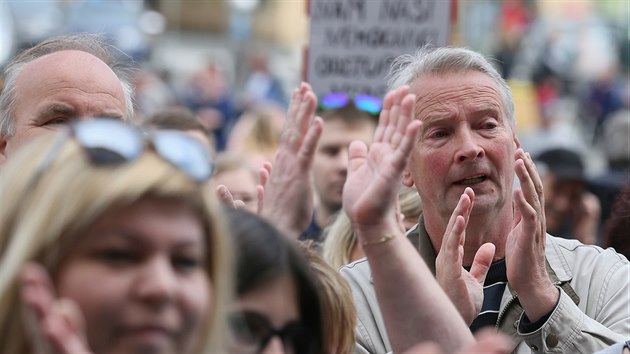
(57, 81)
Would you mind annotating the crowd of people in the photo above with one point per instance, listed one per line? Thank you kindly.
(345, 224)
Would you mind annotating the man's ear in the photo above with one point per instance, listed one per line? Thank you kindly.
(3, 149)
(407, 179)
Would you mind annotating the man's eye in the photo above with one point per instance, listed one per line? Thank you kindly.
(330, 151)
(490, 125)
(57, 121)
(439, 134)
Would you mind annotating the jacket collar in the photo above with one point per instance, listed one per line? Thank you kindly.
(560, 271)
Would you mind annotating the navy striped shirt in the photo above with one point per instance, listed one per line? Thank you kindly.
(493, 289)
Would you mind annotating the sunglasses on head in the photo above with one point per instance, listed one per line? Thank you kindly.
(367, 103)
(108, 142)
(253, 331)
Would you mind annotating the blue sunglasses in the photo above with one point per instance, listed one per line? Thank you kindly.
(110, 142)
(367, 103)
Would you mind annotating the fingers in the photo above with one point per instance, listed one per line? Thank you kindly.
(463, 208)
(404, 140)
(296, 99)
(399, 96)
(424, 348)
(383, 118)
(306, 111)
(224, 195)
(37, 296)
(299, 114)
(404, 117)
(490, 341)
(264, 172)
(65, 328)
(37, 290)
(530, 181)
(357, 153)
(307, 151)
(260, 195)
(481, 263)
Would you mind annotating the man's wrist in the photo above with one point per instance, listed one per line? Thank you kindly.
(539, 301)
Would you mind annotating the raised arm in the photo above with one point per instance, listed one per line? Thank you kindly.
(288, 195)
(414, 307)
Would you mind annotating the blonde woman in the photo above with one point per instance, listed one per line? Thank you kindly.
(340, 246)
(110, 244)
(337, 305)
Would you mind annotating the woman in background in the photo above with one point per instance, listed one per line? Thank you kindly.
(278, 307)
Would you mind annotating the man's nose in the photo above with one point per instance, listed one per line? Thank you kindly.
(156, 282)
(468, 147)
(341, 160)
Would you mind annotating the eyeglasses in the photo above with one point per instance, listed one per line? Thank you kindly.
(253, 331)
(367, 103)
(109, 142)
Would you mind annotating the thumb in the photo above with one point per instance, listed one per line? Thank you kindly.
(482, 261)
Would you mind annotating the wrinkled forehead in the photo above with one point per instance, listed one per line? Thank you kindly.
(74, 67)
(438, 93)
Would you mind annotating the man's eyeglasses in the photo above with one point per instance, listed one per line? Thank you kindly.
(111, 142)
(367, 103)
(253, 331)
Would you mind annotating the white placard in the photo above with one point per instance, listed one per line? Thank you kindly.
(352, 42)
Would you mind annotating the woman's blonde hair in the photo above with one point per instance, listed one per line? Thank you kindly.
(340, 241)
(44, 213)
(337, 304)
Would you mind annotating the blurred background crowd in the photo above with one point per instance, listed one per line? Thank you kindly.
(233, 63)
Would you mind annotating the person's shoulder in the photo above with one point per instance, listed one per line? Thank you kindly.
(357, 274)
(572, 246)
(568, 258)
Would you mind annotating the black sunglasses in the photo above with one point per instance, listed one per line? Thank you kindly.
(110, 142)
(253, 331)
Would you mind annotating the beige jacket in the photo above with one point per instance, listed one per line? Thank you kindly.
(592, 313)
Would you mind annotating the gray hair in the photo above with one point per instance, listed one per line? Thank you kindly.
(442, 60)
(90, 43)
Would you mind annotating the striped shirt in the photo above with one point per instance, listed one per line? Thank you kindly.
(493, 289)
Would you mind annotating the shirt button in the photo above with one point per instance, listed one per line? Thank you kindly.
(551, 340)
(534, 348)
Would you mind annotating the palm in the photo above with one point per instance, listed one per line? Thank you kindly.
(366, 193)
(374, 174)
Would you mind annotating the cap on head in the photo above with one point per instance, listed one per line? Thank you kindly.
(563, 163)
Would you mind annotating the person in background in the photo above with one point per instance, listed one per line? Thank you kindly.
(338, 312)
(278, 306)
(608, 185)
(181, 119)
(208, 94)
(617, 225)
(45, 86)
(256, 134)
(571, 211)
(261, 86)
(340, 243)
(132, 257)
(345, 119)
(485, 241)
(233, 172)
